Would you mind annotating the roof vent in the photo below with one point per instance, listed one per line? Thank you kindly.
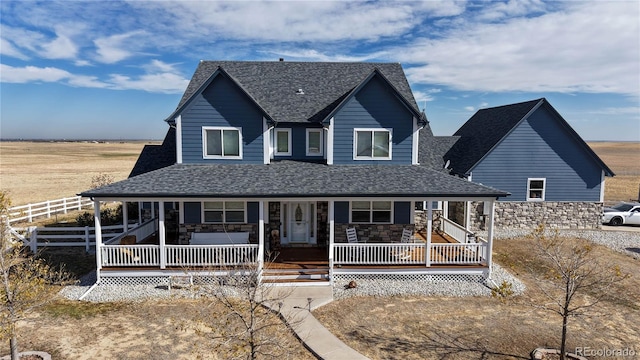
(300, 92)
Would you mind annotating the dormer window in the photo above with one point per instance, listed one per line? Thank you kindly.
(222, 142)
(283, 142)
(314, 142)
(372, 144)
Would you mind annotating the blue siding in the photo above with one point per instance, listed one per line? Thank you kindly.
(541, 147)
(342, 212)
(402, 212)
(222, 104)
(192, 213)
(298, 142)
(374, 106)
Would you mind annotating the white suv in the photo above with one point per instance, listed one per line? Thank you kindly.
(623, 213)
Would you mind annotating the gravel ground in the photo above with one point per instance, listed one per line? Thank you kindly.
(622, 241)
(627, 242)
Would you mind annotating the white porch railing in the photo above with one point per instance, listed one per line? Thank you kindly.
(179, 255)
(459, 233)
(378, 254)
(47, 208)
(458, 254)
(410, 254)
(141, 232)
(211, 255)
(130, 255)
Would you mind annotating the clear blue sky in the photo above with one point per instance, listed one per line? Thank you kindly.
(115, 69)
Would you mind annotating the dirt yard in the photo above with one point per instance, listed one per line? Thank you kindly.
(485, 328)
(623, 158)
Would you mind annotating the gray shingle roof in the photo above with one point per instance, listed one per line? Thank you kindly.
(488, 127)
(483, 131)
(274, 85)
(154, 157)
(293, 179)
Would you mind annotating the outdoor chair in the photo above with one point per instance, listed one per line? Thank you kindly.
(407, 236)
(352, 235)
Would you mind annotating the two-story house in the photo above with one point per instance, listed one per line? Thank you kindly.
(311, 168)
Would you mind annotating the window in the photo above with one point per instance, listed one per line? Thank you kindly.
(224, 212)
(222, 142)
(314, 142)
(371, 212)
(535, 189)
(283, 142)
(372, 144)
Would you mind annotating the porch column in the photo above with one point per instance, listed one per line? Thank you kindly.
(180, 219)
(153, 210)
(261, 213)
(125, 218)
(427, 250)
(162, 235)
(98, 235)
(492, 207)
(412, 218)
(140, 204)
(467, 215)
(332, 235)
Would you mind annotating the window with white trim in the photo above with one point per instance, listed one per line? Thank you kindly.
(220, 212)
(283, 142)
(372, 144)
(314, 142)
(535, 189)
(371, 212)
(222, 142)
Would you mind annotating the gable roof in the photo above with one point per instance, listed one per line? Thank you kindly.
(274, 85)
(292, 179)
(488, 127)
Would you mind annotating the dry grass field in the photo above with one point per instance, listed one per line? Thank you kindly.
(623, 158)
(38, 171)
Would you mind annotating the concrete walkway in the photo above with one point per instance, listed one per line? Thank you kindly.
(295, 310)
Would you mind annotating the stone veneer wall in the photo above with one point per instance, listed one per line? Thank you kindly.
(529, 214)
(187, 229)
(420, 219)
(372, 233)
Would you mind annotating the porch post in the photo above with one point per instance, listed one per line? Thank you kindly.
(492, 208)
(332, 235)
(98, 235)
(180, 219)
(140, 204)
(153, 210)
(467, 215)
(125, 218)
(412, 218)
(261, 213)
(427, 250)
(162, 235)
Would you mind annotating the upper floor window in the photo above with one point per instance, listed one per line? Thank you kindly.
(371, 212)
(372, 144)
(535, 189)
(222, 142)
(283, 142)
(314, 142)
(224, 212)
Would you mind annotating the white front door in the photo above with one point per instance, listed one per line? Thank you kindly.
(299, 222)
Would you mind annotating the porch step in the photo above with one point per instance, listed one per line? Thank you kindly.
(296, 275)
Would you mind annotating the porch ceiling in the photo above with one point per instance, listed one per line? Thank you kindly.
(293, 179)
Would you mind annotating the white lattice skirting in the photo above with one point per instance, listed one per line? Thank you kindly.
(411, 277)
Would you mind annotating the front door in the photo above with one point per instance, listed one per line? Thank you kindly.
(299, 222)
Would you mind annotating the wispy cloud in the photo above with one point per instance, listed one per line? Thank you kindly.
(588, 47)
(115, 48)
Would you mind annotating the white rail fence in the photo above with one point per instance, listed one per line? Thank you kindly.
(130, 255)
(47, 208)
(36, 237)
